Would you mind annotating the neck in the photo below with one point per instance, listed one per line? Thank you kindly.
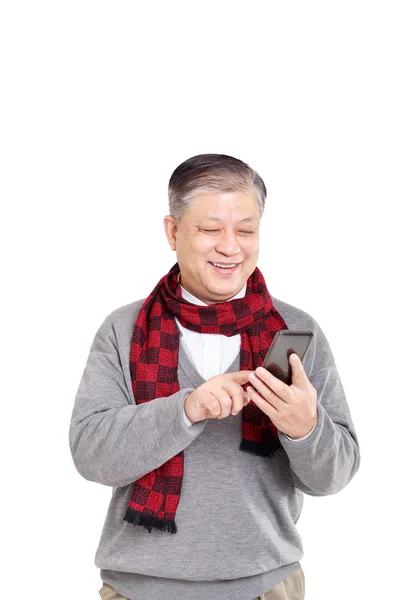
(196, 298)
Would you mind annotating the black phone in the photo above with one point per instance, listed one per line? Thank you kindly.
(285, 342)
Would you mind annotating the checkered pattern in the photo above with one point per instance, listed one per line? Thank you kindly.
(154, 373)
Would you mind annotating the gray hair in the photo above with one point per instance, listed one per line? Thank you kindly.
(212, 173)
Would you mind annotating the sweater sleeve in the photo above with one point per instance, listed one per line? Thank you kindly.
(325, 461)
(112, 440)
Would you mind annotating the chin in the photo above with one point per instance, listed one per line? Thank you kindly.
(226, 288)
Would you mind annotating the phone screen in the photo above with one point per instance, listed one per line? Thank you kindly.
(283, 345)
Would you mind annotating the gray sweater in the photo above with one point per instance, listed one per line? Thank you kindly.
(237, 514)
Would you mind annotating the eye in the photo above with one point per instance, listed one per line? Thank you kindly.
(211, 230)
(245, 231)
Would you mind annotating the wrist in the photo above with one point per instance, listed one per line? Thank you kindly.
(304, 435)
(188, 411)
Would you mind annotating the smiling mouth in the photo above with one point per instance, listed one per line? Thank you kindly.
(225, 268)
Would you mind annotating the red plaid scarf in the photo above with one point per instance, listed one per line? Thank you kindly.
(154, 374)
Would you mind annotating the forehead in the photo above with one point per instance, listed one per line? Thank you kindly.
(214, 206)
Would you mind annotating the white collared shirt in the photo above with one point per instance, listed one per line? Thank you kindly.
(211, 353)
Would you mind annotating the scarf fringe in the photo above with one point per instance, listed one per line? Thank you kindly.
(148, 521)
(137, 518)
(259, 449)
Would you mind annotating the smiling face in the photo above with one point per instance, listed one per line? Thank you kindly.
(220, 230)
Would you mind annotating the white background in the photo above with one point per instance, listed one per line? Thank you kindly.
(100, 102)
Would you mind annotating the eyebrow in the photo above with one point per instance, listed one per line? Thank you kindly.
(246, 219)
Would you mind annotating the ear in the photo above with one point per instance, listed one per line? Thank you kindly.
(170, 227)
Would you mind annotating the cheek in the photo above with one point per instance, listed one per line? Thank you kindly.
(202, 244)
(251, 248)
(195, 245)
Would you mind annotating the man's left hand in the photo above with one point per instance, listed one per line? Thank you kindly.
(292, 409)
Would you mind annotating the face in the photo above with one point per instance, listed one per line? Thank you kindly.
(216, 244)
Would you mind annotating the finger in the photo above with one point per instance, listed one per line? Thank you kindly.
(239, 399)
(239, 376)
(224, 402)
(232, 387)
(266, 392)
(280, 388)
(262, 404)
(298, 373)
(212, 405)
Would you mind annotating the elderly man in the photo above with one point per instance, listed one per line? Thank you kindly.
(208, 454)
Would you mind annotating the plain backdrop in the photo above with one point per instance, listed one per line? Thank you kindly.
(100, 102)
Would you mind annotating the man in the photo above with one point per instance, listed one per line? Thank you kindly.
(208, 455)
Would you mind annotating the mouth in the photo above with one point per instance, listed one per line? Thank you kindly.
(224, 268)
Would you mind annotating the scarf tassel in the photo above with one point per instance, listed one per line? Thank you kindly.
(148, 521)
(260, 449)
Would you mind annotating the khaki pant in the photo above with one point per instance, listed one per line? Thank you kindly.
(291, 588)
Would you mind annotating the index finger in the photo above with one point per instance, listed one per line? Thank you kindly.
(239, 376)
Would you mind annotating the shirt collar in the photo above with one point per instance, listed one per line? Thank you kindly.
(190, 298)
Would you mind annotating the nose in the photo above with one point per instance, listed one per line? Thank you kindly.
(228, 244)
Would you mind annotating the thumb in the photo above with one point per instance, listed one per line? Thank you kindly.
(239, 376)
(298, 373)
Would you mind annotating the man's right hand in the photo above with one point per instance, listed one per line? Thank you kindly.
(218, 397)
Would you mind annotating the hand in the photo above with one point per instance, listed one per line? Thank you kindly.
(292, 409)
(218, 397)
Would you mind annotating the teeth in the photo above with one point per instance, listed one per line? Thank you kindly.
(224, 266)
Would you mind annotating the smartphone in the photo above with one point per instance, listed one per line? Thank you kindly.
(285, 342)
